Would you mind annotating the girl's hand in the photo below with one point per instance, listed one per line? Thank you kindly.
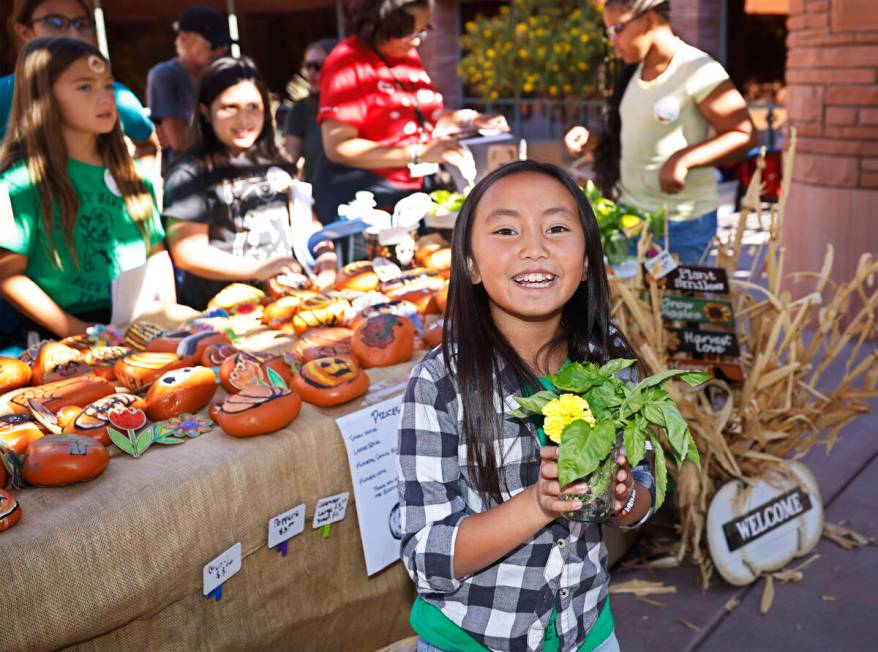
(493, 121)
(576, 139)
(672, 176)
(325, 268)
(547, 489)
(275, 267)
(624, 485)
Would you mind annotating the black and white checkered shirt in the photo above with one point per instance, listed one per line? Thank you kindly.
(507, 605)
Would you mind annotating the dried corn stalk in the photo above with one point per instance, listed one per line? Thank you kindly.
(786, 346)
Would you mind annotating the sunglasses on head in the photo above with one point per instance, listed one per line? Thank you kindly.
(61, 24)
(313, 66)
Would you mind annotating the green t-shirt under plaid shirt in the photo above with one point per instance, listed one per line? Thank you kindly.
(106, 239)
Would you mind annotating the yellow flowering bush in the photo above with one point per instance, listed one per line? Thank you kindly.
(563, 411)
(534, 48)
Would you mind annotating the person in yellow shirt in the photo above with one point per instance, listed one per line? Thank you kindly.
(673, 115)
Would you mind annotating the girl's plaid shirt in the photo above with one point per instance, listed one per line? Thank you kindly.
(507, 605)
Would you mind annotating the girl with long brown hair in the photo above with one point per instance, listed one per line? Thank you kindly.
(81, 214)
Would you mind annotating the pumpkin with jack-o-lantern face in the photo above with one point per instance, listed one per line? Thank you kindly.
(330, 381)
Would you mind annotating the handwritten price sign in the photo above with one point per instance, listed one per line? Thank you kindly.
(221, 568)
(331, 509)
(287, 525)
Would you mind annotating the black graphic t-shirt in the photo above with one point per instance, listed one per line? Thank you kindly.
(245, 206)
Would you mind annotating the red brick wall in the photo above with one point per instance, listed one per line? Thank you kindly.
(440, 51)
(832, 98)
(698, 23)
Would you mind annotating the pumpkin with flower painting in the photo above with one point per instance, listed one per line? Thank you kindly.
(383, 340)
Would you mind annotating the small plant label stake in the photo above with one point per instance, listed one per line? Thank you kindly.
(217, 571)
(285, 526)
(661, 265)
(329, 510)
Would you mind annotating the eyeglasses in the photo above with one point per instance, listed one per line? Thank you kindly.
(313, 66)
(61, 24)
(422, 35)
(612, 31)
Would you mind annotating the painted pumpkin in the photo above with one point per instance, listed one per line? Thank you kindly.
(103, 359)
(140, 333)
(278, 315)
(56, 361)
(14, 373)
(320, 311)
(357, 276)
(237, 298)
(57, 460)
(330, 381)
(322, 343)
(287, 284)
(383, 340)
(180, 390)
(79, 391)
(10, 512)
(256, 411)
(433, 334)
(251, 369)
(140, 370)
(398, 308)
(94, 418)
(18, 431)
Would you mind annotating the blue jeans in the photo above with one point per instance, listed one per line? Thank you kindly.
(690, 238)
(610, 645)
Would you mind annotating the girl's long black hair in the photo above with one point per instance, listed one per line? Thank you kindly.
(473, 347)
(221, 74)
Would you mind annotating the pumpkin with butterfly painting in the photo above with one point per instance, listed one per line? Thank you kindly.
(257, 410)
(244, 369)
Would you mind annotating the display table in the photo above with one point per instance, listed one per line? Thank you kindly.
(116, 563)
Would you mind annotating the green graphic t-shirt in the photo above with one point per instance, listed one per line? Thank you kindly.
(106, 239)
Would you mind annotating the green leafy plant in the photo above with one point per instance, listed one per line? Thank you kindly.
(620, 226)
(590, 406)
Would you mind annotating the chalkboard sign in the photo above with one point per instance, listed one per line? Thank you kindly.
(690, 278)
(698, 311)
(699, 342)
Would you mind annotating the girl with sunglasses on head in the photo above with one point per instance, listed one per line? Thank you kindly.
(495, 564)
(81, 214)
(32, 19)
(673, 115)
(380, 115)
(302, 137)
(227, 202)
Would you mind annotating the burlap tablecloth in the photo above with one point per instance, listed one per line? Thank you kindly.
(116, 563)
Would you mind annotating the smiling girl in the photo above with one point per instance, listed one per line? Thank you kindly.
(82, 215)
(494, 565)
(227, 203)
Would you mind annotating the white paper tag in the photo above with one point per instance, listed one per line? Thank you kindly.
(386, 269)
(331, 509)
(661, 265)
(221, 568)
(286, 525)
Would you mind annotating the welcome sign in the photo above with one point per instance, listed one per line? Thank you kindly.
(765, 518)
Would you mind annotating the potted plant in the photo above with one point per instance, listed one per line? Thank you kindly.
(593, 414)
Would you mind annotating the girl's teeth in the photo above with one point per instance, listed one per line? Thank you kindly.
(534, 278)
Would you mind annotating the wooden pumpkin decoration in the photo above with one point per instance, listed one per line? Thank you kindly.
(180, 390)
(56, 361)
(383, 340)
(251, 369)
(215, 354)
(753, 530)
(256, 411)
(140, 370)
(57, 460)
(79, 391)
(323, 343)
(330, 381)
(14, 373)
(10, 512)
(358, 276)
(94, 418)
(18, 431)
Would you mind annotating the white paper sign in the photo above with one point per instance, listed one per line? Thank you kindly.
(139, 289)
(370, 436)
(661, 265)
(222, 568)
(331, 509)
(286, 526)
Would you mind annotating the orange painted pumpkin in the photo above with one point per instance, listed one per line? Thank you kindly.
(256, 411)
(10, 512)
(14, 373)
(330, 381)
(180, 390)
(383, 340)
(57, 460)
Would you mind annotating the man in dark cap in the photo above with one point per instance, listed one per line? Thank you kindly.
(202, 36)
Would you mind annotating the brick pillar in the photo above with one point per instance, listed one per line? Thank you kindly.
(698, 23)
(832, 98)
(440, 52)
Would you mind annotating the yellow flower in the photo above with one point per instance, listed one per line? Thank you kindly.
(487, 33)
(584, 38)
(631, 224)
(523, 53)
(491, 54)
(553, 90)
(527, 87)
(521, 28)
(563, 411)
